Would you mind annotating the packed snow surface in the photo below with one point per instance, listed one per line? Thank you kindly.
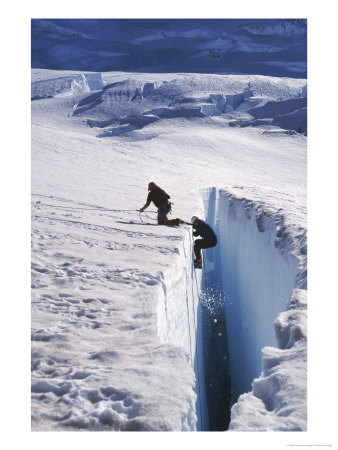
(117, 308)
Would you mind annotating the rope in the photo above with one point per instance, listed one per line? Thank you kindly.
(58, 219)
(150, 218)
(205, 277)
(196, 347)
(142, 219)
(97, 208)
(189, 330)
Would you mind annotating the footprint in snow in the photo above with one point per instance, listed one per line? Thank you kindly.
(81, 288)
(151, 282)
(43, 387)
(80, 375)
(41, 270)
(88, 300)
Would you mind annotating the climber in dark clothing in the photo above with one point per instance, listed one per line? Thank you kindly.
(209, 238)
(161, 200)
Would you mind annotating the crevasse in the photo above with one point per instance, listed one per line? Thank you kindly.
(224, 316)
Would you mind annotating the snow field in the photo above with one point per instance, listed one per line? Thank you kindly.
(86, 329)
(114, 300)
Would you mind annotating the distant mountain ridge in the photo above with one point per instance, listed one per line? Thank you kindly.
(285, 27)
(274, 47)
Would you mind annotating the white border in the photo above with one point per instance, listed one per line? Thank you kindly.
(15, 188)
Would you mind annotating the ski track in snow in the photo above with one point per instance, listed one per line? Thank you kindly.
(99, 359)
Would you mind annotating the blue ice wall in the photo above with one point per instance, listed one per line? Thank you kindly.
(256, 276)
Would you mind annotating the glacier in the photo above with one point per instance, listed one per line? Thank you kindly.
(63, 86)
(124, 329)
(254, 277)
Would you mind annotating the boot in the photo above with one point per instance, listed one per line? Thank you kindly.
(175, 222)
(198, 264)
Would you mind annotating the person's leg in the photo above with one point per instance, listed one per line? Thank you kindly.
(175, 222)
(161, 217)
(203, 243)
(211, 243)
(197, 248)
(167, 221)
(163, 220)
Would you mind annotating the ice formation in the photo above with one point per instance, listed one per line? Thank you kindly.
(67, 85)
(253, 275)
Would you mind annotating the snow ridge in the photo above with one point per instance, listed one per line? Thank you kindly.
(277, 401)
(171, 45)
(289, 27)
(130, 105)
(65, 86)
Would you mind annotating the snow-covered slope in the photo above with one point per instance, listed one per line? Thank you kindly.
(119, 331)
